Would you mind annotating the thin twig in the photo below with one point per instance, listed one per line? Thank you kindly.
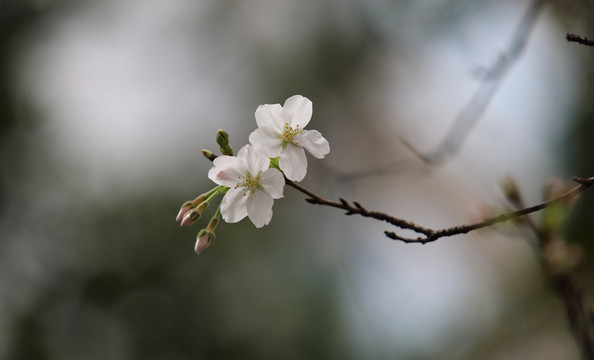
(428, 234)
(358, 209)
(579, 39)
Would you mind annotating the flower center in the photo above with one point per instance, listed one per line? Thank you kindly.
(248, 183)
(289, 133)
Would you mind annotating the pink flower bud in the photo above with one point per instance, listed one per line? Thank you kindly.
(203, 240)
(182, 211)
(190, 217)
(191, 204)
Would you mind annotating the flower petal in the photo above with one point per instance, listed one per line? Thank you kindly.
(242, 153)
(233, 206)
(266, 141)
(313, 142)
(293, 163)
(273, 183)
(226, 170)
(270, 116)
(298, 111)
(255, 161)
(259, 208)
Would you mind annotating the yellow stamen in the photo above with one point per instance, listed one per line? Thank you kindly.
(249, 183)
(289, 133)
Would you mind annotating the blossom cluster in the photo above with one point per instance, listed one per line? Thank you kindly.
(253, 179)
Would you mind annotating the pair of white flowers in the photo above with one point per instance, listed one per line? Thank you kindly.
(253, 184)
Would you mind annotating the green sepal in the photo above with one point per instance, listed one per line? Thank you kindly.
(274, 163)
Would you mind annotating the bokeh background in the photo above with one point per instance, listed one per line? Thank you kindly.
(105, 106)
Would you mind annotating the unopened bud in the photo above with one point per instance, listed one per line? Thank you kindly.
(183, 210)
(223, 141)
(190, 217)
(208, 154)
(222, 136)
(203, 240)
(189, 205)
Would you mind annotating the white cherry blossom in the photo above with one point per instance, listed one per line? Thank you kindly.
(281, 133)
(252, 186)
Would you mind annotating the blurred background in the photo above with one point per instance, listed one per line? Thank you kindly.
(105, 106)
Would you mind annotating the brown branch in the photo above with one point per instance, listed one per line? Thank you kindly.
(358, 209)
(579, 39)
(428, 234)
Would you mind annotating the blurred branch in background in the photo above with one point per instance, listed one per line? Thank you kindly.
(558, 259)
(492, 78)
